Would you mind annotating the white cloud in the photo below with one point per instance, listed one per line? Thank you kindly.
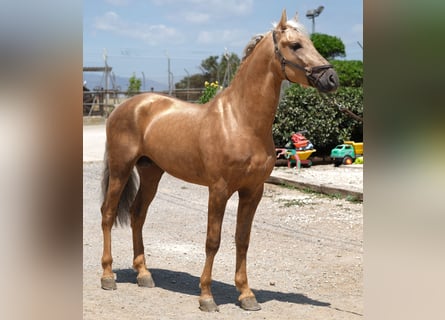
(226, 38)
(118, 3)
(110, 21)
(204, 11)
(205, 37)
(194, 17)
(358, 28)
(161, 2)
(226, 7)
(151, 34)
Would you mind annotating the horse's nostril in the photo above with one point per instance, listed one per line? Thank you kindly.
(333, 79)
(329, 81)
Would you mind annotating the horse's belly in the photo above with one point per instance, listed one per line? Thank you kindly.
(190, 176)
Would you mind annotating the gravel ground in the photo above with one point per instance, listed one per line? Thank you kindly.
(347, 177)
(305, 259)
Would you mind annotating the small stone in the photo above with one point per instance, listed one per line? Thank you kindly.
(272, 283)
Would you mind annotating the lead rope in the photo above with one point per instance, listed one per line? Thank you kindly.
(343, 109)
(348, 112)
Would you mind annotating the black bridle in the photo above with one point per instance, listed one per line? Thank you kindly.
(313, 80)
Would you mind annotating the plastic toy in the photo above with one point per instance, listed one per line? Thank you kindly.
(347, 152)
(297, 151)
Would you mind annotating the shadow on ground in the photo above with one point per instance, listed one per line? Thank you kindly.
(223, 293)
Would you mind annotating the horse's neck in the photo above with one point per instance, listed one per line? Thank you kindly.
(254, 92)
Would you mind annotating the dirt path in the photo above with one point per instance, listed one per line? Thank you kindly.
(305, 260)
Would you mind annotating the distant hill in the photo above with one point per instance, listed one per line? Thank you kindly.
(96, 79)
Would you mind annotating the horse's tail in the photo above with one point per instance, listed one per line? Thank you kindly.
(128, 194)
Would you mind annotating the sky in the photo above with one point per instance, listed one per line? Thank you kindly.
(141, 36)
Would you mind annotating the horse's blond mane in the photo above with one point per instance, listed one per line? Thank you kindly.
(251, 45)
(293, 23)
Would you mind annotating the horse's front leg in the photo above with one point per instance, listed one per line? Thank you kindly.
(218, 197)
(248, 203)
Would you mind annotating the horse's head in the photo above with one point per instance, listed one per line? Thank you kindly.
(300, 61)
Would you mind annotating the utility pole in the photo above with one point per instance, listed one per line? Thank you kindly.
(106, 75)
(143, 81)
(188, 83)
(228, 73)
(170, 75)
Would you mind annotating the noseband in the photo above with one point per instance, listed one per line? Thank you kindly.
(313, 80)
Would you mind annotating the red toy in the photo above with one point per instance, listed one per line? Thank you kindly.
(297, 151)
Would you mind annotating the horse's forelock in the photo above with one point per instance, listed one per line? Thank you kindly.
(294, 24)
(297, 26)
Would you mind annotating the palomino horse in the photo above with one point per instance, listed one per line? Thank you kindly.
(140, 132)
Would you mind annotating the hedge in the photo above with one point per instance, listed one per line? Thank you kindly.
(304, 109)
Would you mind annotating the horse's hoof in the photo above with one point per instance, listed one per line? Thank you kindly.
(250, 304)
(208, 305)
(108, 283)
(145, 281)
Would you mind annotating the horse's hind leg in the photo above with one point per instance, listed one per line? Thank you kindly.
(150, 175)
(117, 181)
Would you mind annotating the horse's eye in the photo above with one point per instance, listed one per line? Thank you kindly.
(295, 46)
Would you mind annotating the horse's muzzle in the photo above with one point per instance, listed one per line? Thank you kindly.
(325, 80)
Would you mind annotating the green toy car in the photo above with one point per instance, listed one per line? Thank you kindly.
(347, 152)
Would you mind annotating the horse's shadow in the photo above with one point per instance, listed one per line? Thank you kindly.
(223, 293)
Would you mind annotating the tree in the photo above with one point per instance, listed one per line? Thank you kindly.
(210, 68)
(228, 66)
(211, 71)
(134, 85)
(195, 81)
(328, 46)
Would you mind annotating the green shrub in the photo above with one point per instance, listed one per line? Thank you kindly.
(306, 109)
(210, 90)
(350, 72)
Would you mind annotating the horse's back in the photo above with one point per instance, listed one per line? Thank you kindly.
(164, 129)
(130, 109)
(140, 111)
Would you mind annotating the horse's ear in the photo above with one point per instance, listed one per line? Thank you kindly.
(282, 24)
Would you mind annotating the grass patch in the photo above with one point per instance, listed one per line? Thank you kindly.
(353, 199)
(289, 186)
(329, 196)
(292, 202)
